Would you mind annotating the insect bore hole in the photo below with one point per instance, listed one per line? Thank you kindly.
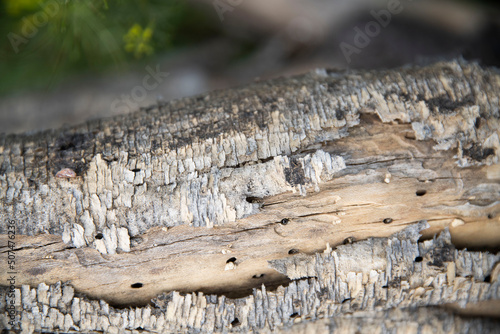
(99, 236)
(387, 220)
(251, 199)
(284, 221)
(418, 259)
(421, 192)
(231, 260)
(477, 122)
(136, 285)
(293, 251)
(235, 322)
(348, 240)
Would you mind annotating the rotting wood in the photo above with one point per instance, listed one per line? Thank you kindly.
(364, 279)
(354, 204)
(200, 194)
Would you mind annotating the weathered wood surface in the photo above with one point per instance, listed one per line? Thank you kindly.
(199, 195)
(354, 285)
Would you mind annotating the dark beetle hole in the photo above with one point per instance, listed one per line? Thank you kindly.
(346, 300)
(387, 220)
(293, 251)
(136, 285)
(67, 145)
(418, 259)
(421, 192)
(99, 236)
(294, 315)
(135, 170)
(284, 221)
(251, 199)
(233, 260)
(487, 279)
(477, 122)
(258, 276)
(235, 322)
(490, 216)
(348, 240)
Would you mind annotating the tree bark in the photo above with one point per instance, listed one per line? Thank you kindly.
(293, 204)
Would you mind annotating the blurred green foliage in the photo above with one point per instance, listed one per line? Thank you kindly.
(48, 40)
(138, 40)
(16, 7)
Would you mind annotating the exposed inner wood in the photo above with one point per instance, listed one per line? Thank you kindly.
(390, 181)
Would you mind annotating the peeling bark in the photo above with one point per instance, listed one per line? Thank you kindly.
(245, 188)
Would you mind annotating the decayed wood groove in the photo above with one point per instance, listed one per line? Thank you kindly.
(202, 194)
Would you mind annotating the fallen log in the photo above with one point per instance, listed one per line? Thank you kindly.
(206, 204)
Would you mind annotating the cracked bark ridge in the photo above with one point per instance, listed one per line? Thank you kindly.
(173, 164)
(349, 287)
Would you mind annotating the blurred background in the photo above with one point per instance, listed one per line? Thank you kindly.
(63, 62)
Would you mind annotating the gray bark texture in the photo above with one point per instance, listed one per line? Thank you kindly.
(310, 203)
